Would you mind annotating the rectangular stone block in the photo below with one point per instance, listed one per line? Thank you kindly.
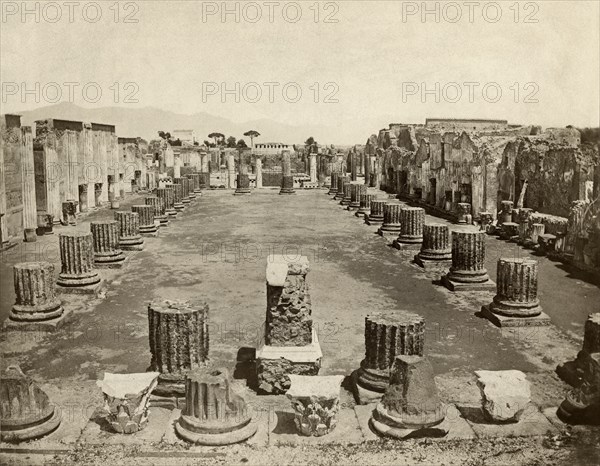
(488, 285)
(507, 321)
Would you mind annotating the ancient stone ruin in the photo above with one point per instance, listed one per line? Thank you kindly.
(435, 250)
(130, 238)
(105, 236)
(146, 218)
(77, 274)
(468, 272)
(290, 343)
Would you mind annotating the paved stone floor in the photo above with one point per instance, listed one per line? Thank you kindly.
(217, 250)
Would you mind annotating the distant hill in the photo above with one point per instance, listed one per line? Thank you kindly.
(147, 121)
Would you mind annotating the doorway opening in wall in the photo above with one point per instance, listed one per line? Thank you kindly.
(403, 182)
(431, 198)
(389, 185)
(465, 193)
(97, 194)
(418, 193)
(448, 201)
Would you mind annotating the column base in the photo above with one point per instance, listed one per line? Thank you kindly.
(274, 363)
(369, 384)
(242, 192)
(403, 245)
(163, 221)
(287, 191)
(149, 230)
(198, 192)
(29, 235)
(179, 207)
(115, 261)
(65, 287)
(332, 192)
(338, 196)
(192, 196)
(433, 264)
(389, 426)
(220, 436)
(345, 201)
(362, 213)
(373, 221)
(49, 325)
(33, 430)
(389, 230)
(353, 206)
(135, 243)
(186, 201)
(172, 214)
(540, 320)
(471, 286)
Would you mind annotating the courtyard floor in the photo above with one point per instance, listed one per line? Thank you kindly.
(217, 251)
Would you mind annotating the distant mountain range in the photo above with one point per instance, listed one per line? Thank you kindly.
(147, 121)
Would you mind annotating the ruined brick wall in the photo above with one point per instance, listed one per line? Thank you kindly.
(12, 189)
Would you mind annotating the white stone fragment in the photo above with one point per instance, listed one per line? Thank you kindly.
(505, 394)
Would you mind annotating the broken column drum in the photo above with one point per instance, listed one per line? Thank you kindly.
(243, 184)
(287, 185)
(105, 236)
(195, 177)
(290, 341)
(69, 210)
(77, 263)
(357, 191)
(463, 212)
(26, 411)
(130, 238)
(391, 219)
(167, 195)
(365, 205)
(375, 217)
(524, 217)
(160, 212)
(178, 197)
(387, 336)
(190, 187)
(485, 221)
(505, 215)
(412, 220)
(342, 181)
(204, 180)
(213, 414)
(36, 306)
(178, 336)
(146, 218)
(537, 229)
(468, 270)
(184, 198)
(436, 244)
(334, 183)
(517, 285)
(346, 197)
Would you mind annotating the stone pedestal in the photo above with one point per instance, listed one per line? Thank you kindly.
(36, 307)
(69, 210)
(178, 204)
(130, 238)
(213, 414)
(386, 336)
(259, 175)
(160, 213)
(486, 220)
(391, 219)
(505, 214)
(509, 231)
(468, 272)
(364, 208)
(411, 406)
(346, 197)
(195, 177)
(523, 229)
(77, 259)
(243, 184)
(188, 192)
(435, 250)
(105, 238)
(546, 243)
(316, 402)
(204, 180)
(290, 343)
(342, 181)
(535, 231)
(375, 217)
(167, 195)
(126, 400)
(146, 218)
(287, 185)
(356, 192)
(178, 336)
(516, 303)
(412, 220)
(506, 395)
(334, 183)
(26, 410)
(463, 212)
(182, 198)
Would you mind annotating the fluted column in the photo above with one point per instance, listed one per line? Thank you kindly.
(213, 413)
(179, 341)
(347, 197)
(146, 216)
(26, 411)
(167, 194)
(77, 263)
(204, 163)
(436, 243)
(387, 336)
(243, 184)
(195, 177)
(105, 237)
(364, 209)
(334, 183)
(342, 181)
(313, 168)
(129, 231)
(28, 186)
(259, 177)
(178, 197)
(517, 285)
(375, 217)
(176, 167)
(36, 306)
(412, 220)
(160, 212)
(468, 262)
(355, 193)
(230, 171)
(536, 230)
(524, 218)
(391, 219)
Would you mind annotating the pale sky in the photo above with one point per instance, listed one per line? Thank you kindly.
(370, 54)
